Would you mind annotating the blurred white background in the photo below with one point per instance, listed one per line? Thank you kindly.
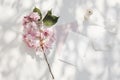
(102, 28)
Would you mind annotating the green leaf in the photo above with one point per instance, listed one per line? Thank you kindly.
(50, 19)
(39, 12)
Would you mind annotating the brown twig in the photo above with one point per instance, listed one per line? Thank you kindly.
(48, 64)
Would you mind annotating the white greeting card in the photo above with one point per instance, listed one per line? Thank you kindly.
(74, 49)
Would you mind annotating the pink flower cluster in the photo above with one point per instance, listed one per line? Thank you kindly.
(35, 36)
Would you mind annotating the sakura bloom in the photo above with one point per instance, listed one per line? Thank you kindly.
(35, 37)
(37, 33)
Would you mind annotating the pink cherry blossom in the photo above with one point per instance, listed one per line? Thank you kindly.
(32, 17)
(31, 41)
(46, 32)
(35, 36)
(49, 38)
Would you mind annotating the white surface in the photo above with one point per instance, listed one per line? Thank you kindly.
(17, 62)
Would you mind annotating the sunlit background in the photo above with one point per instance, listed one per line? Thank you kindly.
(94, 46)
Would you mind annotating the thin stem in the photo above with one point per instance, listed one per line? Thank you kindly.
(48, 64)
(41, 44)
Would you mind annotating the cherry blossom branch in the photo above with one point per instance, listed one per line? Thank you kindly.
(35, 29)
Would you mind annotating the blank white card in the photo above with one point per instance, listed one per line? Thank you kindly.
(74, 49)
